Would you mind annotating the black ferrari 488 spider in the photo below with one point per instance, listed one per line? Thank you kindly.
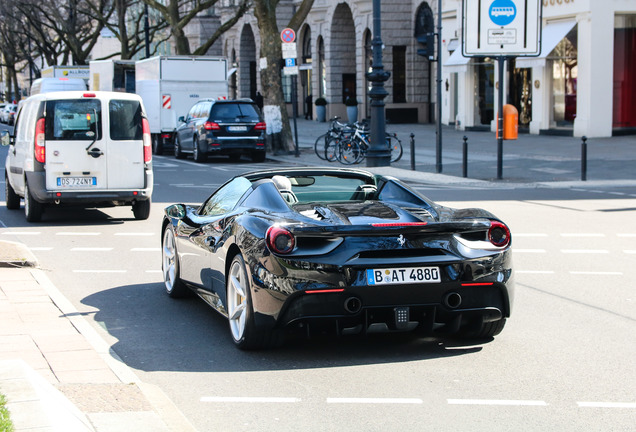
(326, 249)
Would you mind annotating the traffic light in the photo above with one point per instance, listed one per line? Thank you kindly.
(428, 42)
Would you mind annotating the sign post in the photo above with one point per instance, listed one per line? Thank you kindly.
(501, 29)
(290, 53)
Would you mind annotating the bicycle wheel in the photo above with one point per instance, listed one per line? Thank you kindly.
(321, 145)
(395, 146)
(332, 148)
(349, 152)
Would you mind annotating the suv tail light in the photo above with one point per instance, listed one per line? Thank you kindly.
(279, 240)
(147, 140)
(499, 234)
(40, 144)
(208, 125)
(260, 126)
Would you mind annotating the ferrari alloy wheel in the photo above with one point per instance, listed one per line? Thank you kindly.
(238, 302)
(170, 266)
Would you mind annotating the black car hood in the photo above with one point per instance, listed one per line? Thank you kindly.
(362, 213)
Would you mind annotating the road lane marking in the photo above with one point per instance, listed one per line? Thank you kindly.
(374, 401)
(91, 249)
(68, 233)
(584, 251)
(632, 251)
(596, 273)
(496, 402)
(249, 399)
(631, 405)
(529, 250)
(21, 233)
(627, 235)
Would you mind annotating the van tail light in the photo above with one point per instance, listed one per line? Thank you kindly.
(147, 140)
(260, 126)
(208, 125)
(40, 145)
(499, 234)
(279, 240)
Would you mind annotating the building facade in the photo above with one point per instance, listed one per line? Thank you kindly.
(582, 83)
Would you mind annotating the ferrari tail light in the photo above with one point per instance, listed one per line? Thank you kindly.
(279, 240)
(40, 144)
(147, 140)
(499, 234)
(208, 125)
(260, 126)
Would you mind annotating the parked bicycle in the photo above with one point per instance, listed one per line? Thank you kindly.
(352, 148)
(335, 132)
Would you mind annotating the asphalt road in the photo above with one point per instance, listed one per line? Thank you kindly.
(565, 360)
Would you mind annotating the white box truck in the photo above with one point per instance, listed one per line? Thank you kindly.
(171, 85)
(112, 75)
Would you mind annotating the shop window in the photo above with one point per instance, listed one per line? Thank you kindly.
(399, 74)
(564, 79)
(484, 92)
(624, 115)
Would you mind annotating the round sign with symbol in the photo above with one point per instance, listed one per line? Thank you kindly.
(502, 12)
(288, 35)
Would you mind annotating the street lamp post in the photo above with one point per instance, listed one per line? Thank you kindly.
(378, 153)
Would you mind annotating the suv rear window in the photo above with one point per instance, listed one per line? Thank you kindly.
(125, 120)
(73, 120)
(234, 112)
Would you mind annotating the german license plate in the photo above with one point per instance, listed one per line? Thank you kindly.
(403, 275)
(76, 181)
(237, 128)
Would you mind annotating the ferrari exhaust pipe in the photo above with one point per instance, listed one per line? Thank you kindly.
(353, 305)
(452, 300)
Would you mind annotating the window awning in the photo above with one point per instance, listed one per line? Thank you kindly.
(551, 34)
(456, 62)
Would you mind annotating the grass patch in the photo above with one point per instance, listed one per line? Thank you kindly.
(5, 422)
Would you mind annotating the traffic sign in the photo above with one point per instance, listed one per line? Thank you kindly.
(289, 62)
(288, 35)
(292, 70)
(289, 50)
(501, 27)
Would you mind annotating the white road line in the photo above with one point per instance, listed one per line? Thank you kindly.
(598, 273)
(631, 405)
(584, 251)
(91, 249)
(582, 235)
(99, 271)
(135, 234)
(248, 399)
(68, 233)
(530, 235)
(374, 401)
(22, 233)
(528, 250)
(632, 251)
(534, 272)
(626, 235)
(155, 249)
(496, 402)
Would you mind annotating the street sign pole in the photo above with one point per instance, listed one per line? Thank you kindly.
(288, 37)
(500, 121)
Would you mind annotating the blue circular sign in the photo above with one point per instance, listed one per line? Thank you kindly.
(502, 12)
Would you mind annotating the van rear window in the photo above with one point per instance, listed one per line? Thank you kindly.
(73, 120)
(125, 120)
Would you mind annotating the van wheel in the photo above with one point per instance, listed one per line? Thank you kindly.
(32, 209)
(197, 154)
(177, 148)
(11, 198)
(141, 209)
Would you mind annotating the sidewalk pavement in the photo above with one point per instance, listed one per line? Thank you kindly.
(56, 372)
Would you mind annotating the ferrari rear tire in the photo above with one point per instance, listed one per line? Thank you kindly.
(245, 334)
(11, 198)
(175, 288)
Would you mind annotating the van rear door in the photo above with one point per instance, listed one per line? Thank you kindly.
(125, 155)
(75, 145)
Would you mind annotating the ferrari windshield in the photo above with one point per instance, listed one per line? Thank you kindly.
(327, 188)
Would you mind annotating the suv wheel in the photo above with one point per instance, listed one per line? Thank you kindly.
(197, 154)
(12, 199)
(32, 209)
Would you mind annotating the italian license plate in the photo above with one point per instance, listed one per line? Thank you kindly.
(403, 275)
(237, 128)
(76, 181)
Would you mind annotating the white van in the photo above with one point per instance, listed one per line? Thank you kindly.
(49, 84)
(79, 148)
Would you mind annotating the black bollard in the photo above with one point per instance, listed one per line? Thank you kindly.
(465, 157)
(583, 158)
(412, 152)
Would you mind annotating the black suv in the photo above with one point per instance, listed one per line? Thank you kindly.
(221, 127)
